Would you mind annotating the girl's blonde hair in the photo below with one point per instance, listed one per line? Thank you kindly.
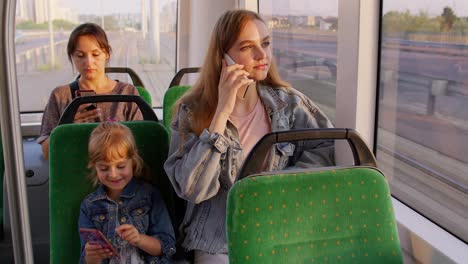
(112, 141)
(203, 96)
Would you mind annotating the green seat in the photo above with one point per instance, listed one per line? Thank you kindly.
(136, 81)
(173, 93)
(145, 95)
(170, 97)
(2, 173)
(327, 215)
(69, 183)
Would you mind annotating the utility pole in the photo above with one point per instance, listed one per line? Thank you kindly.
(144, 17)
(51, 35)
(154, 31)
(102, 15)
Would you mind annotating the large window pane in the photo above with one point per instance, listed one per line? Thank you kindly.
(151, 53)
(304, 46)
(423, 108)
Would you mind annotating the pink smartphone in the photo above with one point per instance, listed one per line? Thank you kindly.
(96, 237)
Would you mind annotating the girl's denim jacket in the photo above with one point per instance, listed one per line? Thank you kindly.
(140, 205)
(203, 169)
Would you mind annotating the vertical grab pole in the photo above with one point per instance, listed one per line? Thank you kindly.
(11, 136)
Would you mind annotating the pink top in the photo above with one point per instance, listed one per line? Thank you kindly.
(252, 127)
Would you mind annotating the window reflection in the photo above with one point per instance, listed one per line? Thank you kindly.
(305, 46)
(423, 108)
(128, 24)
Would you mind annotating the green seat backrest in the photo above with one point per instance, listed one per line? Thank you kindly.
(336, 215)
(170, 97)
(2, 173)
(69, 183)
(145, 95)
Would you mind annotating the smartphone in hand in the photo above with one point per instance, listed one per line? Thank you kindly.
(79, 93)
(230, 61)
(96, 237)
(85, 93)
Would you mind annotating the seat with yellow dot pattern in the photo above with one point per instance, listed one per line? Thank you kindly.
(329, 215)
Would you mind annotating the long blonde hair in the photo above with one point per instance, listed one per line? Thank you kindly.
(110, 141)
(203, 96)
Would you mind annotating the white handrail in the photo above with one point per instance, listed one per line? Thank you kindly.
(11, 136)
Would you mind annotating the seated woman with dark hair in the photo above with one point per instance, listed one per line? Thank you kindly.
(88, 50)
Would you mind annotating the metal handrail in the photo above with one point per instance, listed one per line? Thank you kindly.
(12, 141)
(178, 77)
(362, 154)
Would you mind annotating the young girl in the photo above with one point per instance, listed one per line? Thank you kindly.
(238, 98)
(130, 213)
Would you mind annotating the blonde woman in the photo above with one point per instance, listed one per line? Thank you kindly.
(238, 98)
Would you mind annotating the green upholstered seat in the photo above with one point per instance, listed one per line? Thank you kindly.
(145, 95)
(2, 173)
(334, 215)
(170, 97)
(69, 183)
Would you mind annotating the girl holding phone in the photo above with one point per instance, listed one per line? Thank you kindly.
(219, 120)
(89, 51)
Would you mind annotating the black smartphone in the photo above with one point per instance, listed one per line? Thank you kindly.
(87, 93)
(90, 107)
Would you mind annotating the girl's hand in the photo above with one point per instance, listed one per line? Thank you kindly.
(130, 234)
(232, 78)
(95, 253)
(87, 116)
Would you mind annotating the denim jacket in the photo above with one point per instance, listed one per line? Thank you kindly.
(140, 205)
(204, 168)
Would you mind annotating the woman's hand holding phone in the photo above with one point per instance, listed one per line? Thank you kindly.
(87, 112)
(230, 61)
(232, 78)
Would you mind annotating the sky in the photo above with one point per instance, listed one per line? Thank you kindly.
(330, 7)
(433, 7)
(108, 6)
(296, 7)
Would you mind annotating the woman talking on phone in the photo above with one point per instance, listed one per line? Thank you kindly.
(238, 98)
(88, 50)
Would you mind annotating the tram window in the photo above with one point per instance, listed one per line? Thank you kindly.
(128, 24)
(423, 108)
(304, 37)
